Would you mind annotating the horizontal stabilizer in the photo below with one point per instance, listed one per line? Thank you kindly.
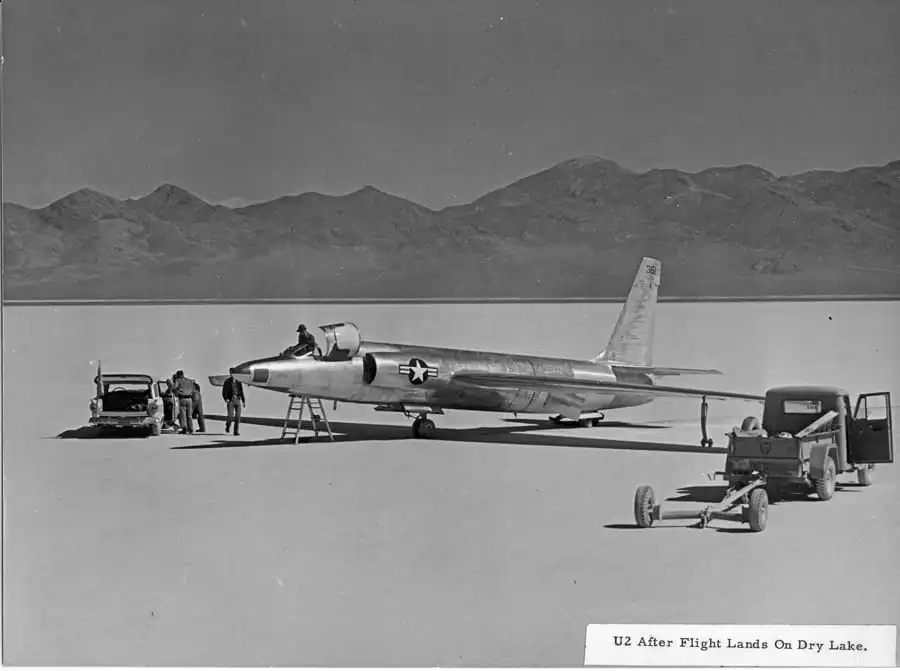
(218, 380)
(661, 371)
(556, 384)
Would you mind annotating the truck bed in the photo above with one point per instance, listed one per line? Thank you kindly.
(774, 447)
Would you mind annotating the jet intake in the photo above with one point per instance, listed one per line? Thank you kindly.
(399, 370)
(370, 369)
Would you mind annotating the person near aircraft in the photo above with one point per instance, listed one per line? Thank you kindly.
(306, 341)
(197, 405)
(233, 395)
(184, 393)
(170, 405)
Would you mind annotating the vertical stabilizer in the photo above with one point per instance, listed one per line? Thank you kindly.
(632, 338)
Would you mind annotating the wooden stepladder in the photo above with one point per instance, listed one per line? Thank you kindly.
(316, 412)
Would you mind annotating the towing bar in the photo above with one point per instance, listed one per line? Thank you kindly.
(647, 511)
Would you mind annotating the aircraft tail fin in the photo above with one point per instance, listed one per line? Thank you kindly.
(632, 338)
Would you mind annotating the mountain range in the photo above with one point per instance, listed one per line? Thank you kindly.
(578, 228)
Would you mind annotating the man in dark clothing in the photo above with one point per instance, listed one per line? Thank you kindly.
(197, 403)
(305, 339)
(233, 395)
(184, 393)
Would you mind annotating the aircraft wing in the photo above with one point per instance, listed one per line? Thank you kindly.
(217, 380)
(660, 371)
(568, 385)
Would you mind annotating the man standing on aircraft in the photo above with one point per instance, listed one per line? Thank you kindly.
(233, 395)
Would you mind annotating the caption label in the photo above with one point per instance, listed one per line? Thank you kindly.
(740, 645)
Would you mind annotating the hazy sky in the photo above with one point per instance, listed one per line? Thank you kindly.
(439, 101)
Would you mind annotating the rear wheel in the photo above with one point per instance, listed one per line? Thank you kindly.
(644, 501)
(758, 510)
(825, 485)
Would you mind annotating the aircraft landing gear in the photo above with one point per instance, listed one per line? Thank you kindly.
(423, 427)
(587, 422)
(706, 441)
(584, 422)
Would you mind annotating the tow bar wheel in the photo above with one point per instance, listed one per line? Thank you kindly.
(758, 509)
(644, 500)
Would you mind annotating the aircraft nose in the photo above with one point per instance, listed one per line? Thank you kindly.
(242, 372)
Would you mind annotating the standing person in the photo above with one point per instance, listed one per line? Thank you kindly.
(184, 392)
(197, 403)
(233, 395)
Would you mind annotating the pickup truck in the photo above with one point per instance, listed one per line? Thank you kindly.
(808, 436)
(127, 401)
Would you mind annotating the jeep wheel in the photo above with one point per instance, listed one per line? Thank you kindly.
(864, 475)
(825, 485)
(643, 506)
(758, 511)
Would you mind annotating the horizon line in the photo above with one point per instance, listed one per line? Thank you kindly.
(249, 203)
(127, 302)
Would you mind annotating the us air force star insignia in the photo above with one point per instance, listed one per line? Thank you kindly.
(418, 371)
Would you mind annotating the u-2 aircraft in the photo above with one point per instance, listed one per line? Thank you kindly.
(419, 381)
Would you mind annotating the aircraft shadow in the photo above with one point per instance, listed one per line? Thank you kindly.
(223, 444)
(543, 424)
(514, 435)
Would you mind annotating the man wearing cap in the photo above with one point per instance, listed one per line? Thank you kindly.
(305, 339)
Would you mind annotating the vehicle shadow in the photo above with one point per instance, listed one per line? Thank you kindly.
(95, 433)
(521, 434)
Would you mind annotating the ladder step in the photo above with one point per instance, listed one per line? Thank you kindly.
(295, 411)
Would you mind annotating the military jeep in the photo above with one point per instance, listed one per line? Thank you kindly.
(807, 437)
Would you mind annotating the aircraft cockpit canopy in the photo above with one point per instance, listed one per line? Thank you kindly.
(342, 343)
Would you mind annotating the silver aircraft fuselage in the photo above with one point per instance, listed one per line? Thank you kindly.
(392, 374)
(420, 379)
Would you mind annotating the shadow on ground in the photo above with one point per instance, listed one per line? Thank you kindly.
(95, 433)
(520, 434)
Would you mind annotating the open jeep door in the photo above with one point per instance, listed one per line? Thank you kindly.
(871, 440)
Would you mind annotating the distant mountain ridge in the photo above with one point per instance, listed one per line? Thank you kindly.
(575, 229)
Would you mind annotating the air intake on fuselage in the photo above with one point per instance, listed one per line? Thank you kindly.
(370, 368)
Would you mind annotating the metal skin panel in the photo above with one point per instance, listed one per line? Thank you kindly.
(411, 375)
